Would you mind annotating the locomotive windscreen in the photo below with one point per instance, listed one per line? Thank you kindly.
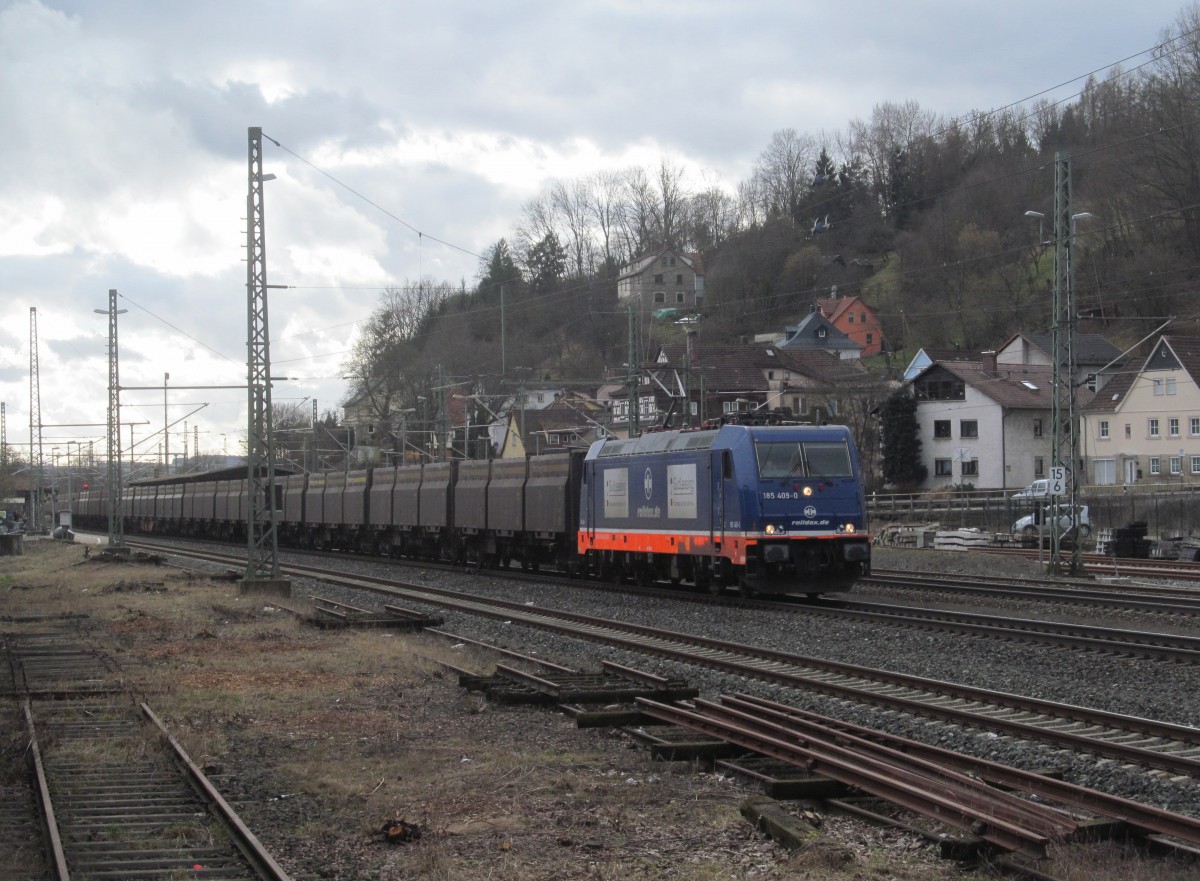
(812, 459)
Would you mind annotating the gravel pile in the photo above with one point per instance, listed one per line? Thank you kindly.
(1132, 686)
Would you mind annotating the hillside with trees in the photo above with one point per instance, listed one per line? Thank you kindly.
(933, 221)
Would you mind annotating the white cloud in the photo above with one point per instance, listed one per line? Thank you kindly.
(124, 145)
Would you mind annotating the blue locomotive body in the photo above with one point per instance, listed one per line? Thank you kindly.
(770, 508)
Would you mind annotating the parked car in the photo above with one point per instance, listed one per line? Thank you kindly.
(1028, 525)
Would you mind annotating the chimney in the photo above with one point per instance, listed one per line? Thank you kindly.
(693, 356)
(989, 361)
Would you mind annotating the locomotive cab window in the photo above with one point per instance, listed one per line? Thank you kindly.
(828, 459)
(812, 459)
(779, 459)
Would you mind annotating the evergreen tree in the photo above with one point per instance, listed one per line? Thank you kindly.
(902, 464)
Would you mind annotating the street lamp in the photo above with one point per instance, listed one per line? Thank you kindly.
(54, 488)
(1041, 219)
(403, 414)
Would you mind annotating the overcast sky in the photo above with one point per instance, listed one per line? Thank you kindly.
(123, 153)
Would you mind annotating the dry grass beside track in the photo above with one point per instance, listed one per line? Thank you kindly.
(320, 737)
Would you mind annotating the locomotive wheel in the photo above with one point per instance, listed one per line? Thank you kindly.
(745, 591)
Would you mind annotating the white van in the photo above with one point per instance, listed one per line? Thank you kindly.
(1039, 489)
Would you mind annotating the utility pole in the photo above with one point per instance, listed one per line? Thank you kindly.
(35, 426)
(1065, 441)
(3, 435)
(166, 429)
(631, 377)
(116, 528)
(262, 561)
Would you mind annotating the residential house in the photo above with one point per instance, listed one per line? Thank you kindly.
(572, 422)
(855, 319)
(1096, 359)
(693, 384)
(664, 279)
(817, 333)
(983, 423)
(365, 413)
(926, 356)
(1144, 425)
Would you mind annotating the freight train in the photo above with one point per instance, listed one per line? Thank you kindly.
(771, 509)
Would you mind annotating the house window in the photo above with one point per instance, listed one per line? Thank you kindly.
(1039, 466)
(672, 261)
(729, 406)
(943, 467)
(1106, 472)
(554, 438)
(968, 428)
(941, 390)
(1157, 385)
(679, 296)
(849, 317)
(679, 278)
(1194, 426)
(941, 428)
(1196, 464)
(1152, 427)
(658, 278)
(862, 317)
(1170, 386)
(1173, 426)
(1176, 464)
(821, 332)
(1037, 428)
(1155, 468)
(660, 297)
(1128, 431)
(1104, 429)
(870, 338)
(970, 468)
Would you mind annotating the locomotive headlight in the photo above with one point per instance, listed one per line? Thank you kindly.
(808, 490)
(846, 528)
(774, 529)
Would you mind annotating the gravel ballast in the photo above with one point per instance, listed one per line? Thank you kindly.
(1131, 686)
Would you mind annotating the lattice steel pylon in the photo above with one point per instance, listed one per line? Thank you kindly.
(35, 427)
(262, 561)
(116, 526)
(1065, 440)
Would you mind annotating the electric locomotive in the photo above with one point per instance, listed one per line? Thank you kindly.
(771, 509)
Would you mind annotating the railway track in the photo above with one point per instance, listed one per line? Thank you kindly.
(1103, 564)
(1009, 808)
(1168, 748)
(1129, 643)
(116, 796)
(1123, 642)
(1158, 598)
